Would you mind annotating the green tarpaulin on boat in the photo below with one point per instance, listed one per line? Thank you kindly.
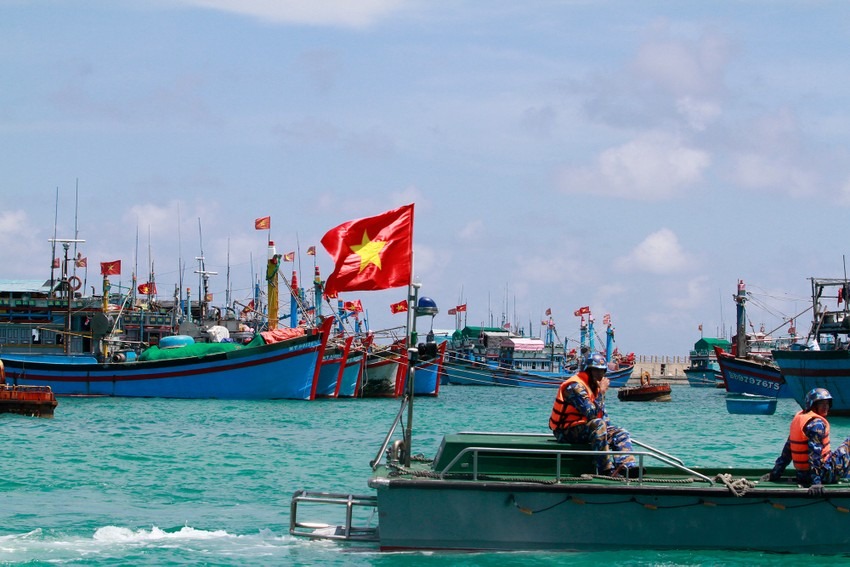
(189, 351)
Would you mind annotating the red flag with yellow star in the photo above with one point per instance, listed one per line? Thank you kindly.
(371, 253)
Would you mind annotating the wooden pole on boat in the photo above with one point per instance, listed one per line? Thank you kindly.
(271, 280)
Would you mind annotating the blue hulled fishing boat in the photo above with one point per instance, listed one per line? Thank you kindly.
(287, 369)
(749, 368)
(824, 362)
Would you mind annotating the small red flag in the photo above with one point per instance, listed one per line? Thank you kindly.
(461, 308)
(355, 306)
(311, 251)
(289, 257)
(148, 288)
(452, 311)
(582, 311)
(56, 262)
(399, 307)
(263, 223)
(371, 253)
(81, 262)
(110, 268)
(548, 311)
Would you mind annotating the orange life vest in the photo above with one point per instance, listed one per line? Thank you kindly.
(799, 441)
(565, 415)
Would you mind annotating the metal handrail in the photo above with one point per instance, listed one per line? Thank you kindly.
(558, 453)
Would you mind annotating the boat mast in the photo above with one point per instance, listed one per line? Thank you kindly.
(66, 244)
(740, 299)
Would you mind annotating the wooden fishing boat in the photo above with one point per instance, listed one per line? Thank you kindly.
(428, 367)
(825, 361)
(658, 392)
(332, 367)
(384, 365)
(287, 369)
(749, 368)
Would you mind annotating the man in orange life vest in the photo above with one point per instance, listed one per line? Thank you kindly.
(808, 447)
(578, 416)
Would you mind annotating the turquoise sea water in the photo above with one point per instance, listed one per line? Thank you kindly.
(186, 482)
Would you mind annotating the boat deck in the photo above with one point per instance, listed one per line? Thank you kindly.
(538, 458)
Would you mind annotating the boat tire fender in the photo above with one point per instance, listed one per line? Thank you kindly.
(74, 283)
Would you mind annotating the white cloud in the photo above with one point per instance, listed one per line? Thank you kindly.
(343, 13)
(682, 67)
(699, 114)
(653, 166)
(764, 171)
(473, 230)
(696, 292)
(659, 253)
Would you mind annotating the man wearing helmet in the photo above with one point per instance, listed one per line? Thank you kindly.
(579, 416)
(808, 448)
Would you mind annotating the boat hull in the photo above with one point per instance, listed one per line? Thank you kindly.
(703, 378)
(381, 374)
(426, 381)
(466, 372)
(352, 373)
(283, 370)
(652, 393)
(620, 377)
(749, 404)
(807, 369)
(528, 516)
(744, 376)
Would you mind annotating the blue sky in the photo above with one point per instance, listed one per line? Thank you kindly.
(638, 158)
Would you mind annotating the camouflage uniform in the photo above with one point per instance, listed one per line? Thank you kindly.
(598, 432)
(822, 470)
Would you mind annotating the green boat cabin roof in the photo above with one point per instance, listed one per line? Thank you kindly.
(708, 344)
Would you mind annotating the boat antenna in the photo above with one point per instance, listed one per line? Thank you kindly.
(844, 287)
(53, 241)
(227, 288)
(76, 230)
(180, 267)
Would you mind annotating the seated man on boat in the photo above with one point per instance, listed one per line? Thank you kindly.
(808, 447)
(579, 416)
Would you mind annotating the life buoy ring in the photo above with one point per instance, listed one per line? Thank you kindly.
(175, 341)
(75, 283)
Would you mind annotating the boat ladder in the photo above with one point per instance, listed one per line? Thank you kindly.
(321, 530)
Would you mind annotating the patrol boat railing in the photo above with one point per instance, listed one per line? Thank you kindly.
(559, 454)
(321, 530)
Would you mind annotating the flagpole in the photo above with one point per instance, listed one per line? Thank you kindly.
(412, 356)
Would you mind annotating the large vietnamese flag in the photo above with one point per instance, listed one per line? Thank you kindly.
(371, 253)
